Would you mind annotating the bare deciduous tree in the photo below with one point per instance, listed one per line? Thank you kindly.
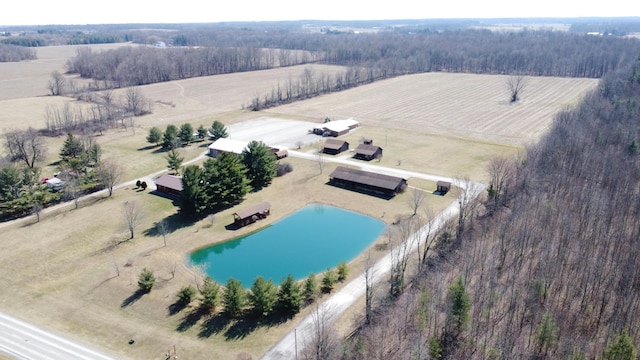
(132, 213)
(72, 189)
(401, 240)
(369, 282)
(516, 84)
(416, 199)
(25, 145)
(466, 191)
(323, 344)
(163, 229)
(57, 84)
(319, 157)
(109, 174)
(502, 172)
(427, 235)
(134, 101)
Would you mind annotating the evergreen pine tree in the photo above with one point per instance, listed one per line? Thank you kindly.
(235, 297)
(290, 295)
(261, 164)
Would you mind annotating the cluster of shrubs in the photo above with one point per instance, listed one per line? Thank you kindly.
(141, 184)
(263, 299)
(283, 168)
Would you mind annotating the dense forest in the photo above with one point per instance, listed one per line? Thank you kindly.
(547, 268)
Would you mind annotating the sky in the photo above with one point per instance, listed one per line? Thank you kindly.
(74, 12)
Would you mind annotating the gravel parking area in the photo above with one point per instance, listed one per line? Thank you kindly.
(280, 133)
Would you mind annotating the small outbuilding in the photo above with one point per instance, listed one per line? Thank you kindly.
(443, 187)
(280, 153)
(335, 146)
(252, 214)
(368, 182)
(169, 185)
(367, 152)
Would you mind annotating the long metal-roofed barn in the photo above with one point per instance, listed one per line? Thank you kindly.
(382, 185)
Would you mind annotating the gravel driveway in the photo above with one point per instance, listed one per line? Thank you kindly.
(280, 133)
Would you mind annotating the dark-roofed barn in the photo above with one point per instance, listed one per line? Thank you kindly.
(252, 214)
(367, 152)
(367, 182)
(169, 184)
(335, 146)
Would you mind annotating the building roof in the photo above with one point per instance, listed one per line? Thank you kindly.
(340, 125)
(245, 213)
(229, 145)
(170, 182)
(367, 149)
(367, 178)
(334, 144)
(443, 183)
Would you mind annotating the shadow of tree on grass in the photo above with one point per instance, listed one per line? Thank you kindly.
(172, 223)
(191, 319)
(241, 328)
(133, 298)
(214, 325)
(176, 307)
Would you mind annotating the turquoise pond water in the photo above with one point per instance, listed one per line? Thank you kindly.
(312, 239)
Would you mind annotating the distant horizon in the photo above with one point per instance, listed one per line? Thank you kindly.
(524, 19)
(119, 12)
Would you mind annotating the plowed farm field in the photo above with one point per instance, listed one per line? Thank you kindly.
(458, 105)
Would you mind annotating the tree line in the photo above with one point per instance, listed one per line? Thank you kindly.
(106, 110)
(261, 301)
(131, 65)
(14, 53)
(380, 55)
(547, 266)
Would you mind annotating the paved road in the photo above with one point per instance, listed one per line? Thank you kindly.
(298, 338)
(24, 341)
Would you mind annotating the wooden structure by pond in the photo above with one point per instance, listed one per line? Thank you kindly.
(252, 214)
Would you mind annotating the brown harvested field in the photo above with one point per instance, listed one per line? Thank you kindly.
(64, 270)
(29, 78)
(456, 105)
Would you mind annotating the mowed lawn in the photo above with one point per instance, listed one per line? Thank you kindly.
(74, 272)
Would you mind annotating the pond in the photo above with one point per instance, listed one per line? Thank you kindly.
(312, 239)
